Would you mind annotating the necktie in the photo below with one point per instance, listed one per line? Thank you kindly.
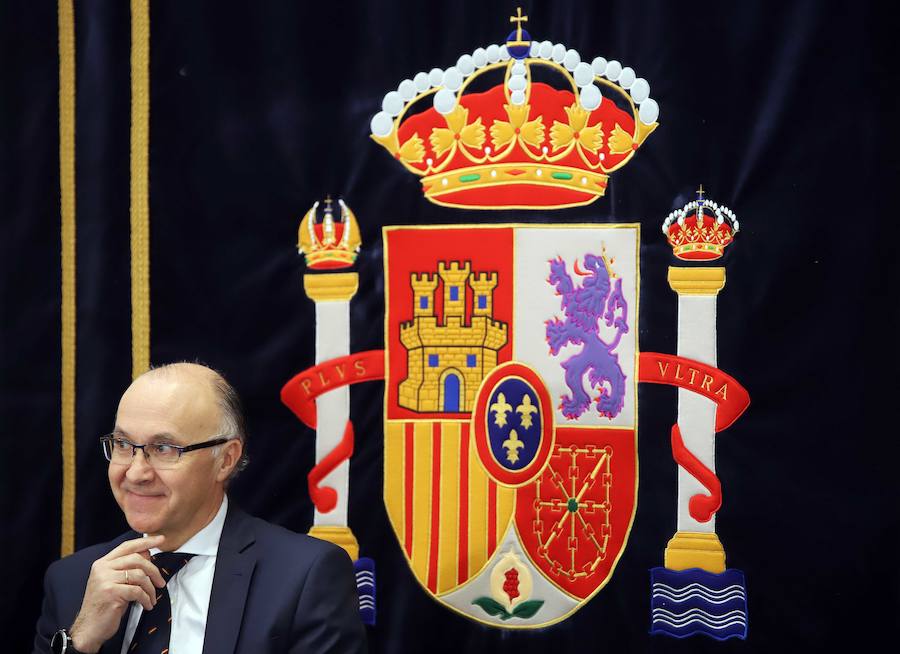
(154, 628)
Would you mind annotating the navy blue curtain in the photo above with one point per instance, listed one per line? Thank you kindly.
(786, 112)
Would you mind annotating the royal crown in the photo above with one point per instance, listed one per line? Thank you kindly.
(329, 244)
(701, 229)
(521, 144)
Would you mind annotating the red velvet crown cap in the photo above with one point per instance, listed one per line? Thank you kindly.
(547, 105)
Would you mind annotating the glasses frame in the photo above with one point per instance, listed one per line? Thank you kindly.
(181, 449)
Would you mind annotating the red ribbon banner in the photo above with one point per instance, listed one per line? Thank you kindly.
(731, 398)
(300, 393)
(731, 401)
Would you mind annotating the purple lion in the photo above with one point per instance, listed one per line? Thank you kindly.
(584, 307)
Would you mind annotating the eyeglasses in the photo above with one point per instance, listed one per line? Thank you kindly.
(161, 456)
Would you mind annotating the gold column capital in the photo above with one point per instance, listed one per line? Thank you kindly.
(695, 549)
(696, 281)
(340, 536)
(331, 287)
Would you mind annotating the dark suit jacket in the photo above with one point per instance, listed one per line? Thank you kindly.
(273, 591)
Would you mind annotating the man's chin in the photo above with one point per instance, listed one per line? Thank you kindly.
(144, 514)
(143, 525)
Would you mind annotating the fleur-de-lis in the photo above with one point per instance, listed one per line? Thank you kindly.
(620, 141)
(412, 151)
(525, 410)
(512, 446)
(457, 130)
(518, 128)
(500, 409)
(589, 138)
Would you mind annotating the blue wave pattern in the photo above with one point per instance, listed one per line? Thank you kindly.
(365, 586)
(688, 602)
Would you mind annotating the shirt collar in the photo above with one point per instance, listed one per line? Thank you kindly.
(206, 541)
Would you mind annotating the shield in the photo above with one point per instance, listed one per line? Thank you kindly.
(510, 409)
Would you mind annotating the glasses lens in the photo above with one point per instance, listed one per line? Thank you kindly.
(163, 455)
(121, 450)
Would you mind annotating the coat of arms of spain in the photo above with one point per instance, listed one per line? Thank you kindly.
(511, 361)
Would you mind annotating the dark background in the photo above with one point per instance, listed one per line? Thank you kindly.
(786, 112)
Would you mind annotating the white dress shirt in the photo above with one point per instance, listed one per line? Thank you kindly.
(189, 590)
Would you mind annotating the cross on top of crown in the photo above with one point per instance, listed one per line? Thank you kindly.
(700, 193)
(518, 19)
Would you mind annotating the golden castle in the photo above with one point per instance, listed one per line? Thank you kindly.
(447, 362)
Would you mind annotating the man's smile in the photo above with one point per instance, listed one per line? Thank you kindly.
(141, 500)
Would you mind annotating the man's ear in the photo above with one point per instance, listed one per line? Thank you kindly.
(231, 454)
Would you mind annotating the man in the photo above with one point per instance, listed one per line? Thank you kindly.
(237, 583)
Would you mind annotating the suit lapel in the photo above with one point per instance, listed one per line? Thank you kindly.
(235, 563)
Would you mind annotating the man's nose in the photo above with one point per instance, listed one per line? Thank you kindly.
(139, 469)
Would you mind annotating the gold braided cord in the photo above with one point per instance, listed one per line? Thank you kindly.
(140, 182)
(67, 210)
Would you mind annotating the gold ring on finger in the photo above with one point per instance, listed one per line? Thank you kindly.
(126, 576)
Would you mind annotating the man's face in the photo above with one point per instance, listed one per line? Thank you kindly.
(180, 409)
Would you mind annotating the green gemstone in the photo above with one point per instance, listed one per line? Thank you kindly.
(469, 178)
(561, 175)
(572, 505)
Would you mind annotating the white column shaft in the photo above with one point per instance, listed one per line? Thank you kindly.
(696, 414)
(333, 408)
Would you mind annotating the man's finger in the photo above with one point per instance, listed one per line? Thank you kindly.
(137, 545)
(138, 577)
(137, 594)
(136, 561)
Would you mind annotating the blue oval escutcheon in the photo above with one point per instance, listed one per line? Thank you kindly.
(513, 423)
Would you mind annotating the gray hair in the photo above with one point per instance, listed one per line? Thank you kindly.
(233, 425)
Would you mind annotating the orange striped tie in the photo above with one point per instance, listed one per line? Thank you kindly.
(155, 626)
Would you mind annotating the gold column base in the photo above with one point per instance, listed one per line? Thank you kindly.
(331, 287)
(696, 281)
(340, 536)
(694, 549)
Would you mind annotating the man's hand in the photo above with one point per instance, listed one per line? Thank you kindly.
(123, 576)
